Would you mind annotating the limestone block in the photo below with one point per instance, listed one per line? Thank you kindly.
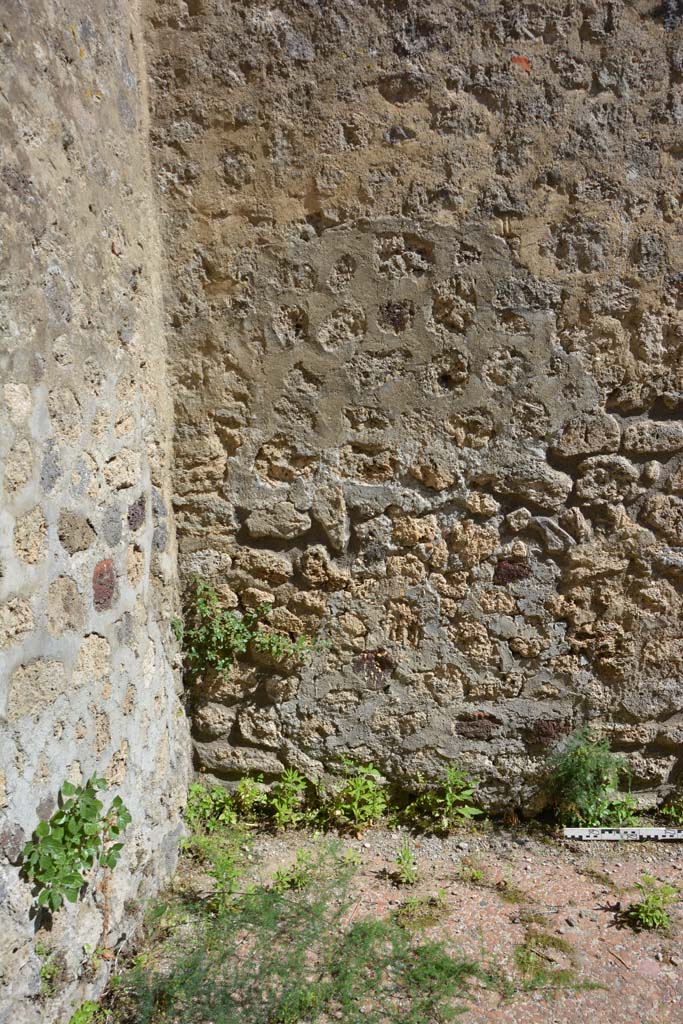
(285, 621)
(281, 520)
(455, 585)
(16, 620)
(471, 429)
(410, 530)
(65, 608)
(34, 687)
(75, 532)
(588, 433)
(664, 513)
(318, 569)
(405, 567)
(30, 536)
(92, 663)
(329, 509)
(135, 564)
(607, 479)
(123, 469)
(482, 505)
(265, 565)
(341, 328)
(471, 542)
(657, 437)
(222, 756)
(17, 399)
(65, 414)
(527, 478)
(260, 727)
(18, 466)
(213, 720)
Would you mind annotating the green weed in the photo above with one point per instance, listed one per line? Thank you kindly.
(87, 1013)
(673, 812)
(444, 806)
(361, 801)
(218, 852)
(297, 876)
(79, 835)
(470, 871)
(511, 893)
(51, 970)
(583, 782)
(280, 957)
(652, 910)
(250, 798)
(405, 865)
(599, 876)
(286, 799)
(209, 810)
(213, 637)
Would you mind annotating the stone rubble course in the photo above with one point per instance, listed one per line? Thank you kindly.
(403, 358)
(424, 277)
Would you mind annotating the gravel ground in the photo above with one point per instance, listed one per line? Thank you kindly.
(525, 883)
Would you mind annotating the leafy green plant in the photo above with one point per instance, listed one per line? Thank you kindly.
(250, 797)
(286, 799)
(583, 782)
(673, 812)
(405, 864)
(225, 871)
(209, 809)
(79, 835)
(351, 857)
(361, 801)
(297, 876)
(621, 811)
(219, 855)
(213, 637)
(443, 807)
(87, 1013)
(652, 909)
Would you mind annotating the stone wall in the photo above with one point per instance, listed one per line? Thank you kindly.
(87, 546)
(425, 283)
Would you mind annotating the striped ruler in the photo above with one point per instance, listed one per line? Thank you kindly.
(624, 834)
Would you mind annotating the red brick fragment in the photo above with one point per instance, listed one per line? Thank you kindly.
(522, 62)
(510, 572)
(103, 584)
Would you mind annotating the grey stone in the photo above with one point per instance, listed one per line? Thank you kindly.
(50, 467)
(112, 526)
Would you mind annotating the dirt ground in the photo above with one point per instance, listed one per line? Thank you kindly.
(502, 888)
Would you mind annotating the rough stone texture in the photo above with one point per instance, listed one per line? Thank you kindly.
(424, 301)
(86, 679)
(425, 295)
